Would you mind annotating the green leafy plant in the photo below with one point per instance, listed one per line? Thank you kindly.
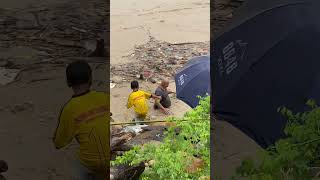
(173, 158)
(291, 157)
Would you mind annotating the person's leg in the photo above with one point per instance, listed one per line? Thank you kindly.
(139, 118)
(135, 119)
(155, 106)
(142, 118)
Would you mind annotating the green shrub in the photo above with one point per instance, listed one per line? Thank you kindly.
(291, 157)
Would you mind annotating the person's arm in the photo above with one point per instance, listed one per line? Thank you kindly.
(157, 101)
(129, 103)
(153, 96)
(65, 130)
(165, 110)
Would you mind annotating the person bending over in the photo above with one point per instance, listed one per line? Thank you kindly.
(85, 118)
(137, 99)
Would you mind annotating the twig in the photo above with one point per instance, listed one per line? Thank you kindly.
(298, 144)
(44, 30)
(152, 121)
(37, 80)
(307, 142)
(80, 30)
(134, 122)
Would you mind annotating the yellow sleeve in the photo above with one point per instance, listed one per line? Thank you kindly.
(130, 102)
(147, 95)
(65, 130)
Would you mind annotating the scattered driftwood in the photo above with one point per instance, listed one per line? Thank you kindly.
(117, 143)
(118, 147)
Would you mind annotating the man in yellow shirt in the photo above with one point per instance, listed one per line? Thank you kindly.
(137, 99)
(85, 117)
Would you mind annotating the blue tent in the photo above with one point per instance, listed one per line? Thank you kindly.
(265, 58)
(194, 80)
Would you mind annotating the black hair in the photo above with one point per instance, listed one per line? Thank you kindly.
(134, 84)
(78, 72)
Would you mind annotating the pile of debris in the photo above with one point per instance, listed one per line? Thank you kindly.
(60, 31)
(159, 58)
(125, 138)
(223, 12)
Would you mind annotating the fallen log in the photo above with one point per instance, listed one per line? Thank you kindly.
(117, 142)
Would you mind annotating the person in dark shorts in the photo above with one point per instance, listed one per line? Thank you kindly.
(165, 101)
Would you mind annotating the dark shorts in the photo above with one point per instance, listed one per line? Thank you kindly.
(157, 107)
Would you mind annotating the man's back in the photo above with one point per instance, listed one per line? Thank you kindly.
(138, 100)
(85, 118)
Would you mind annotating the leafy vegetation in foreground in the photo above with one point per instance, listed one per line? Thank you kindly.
(173, 158)
(293, 157)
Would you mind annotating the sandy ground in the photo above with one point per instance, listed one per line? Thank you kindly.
(230, 147)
